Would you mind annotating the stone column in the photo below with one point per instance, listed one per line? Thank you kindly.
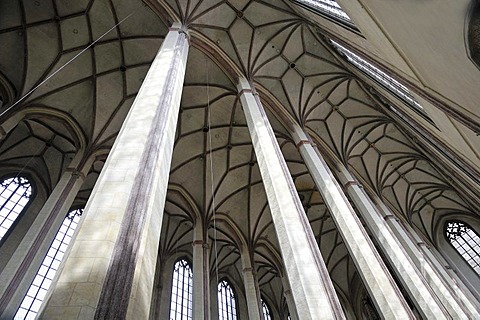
(109, 273)
(382, 288)
(201, 277)
(252, 291)
(22, 267)
(311, 286)
(10, 123)
(432, 302)
(455, 298)
(288, 296)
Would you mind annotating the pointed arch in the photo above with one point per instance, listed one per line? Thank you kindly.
(465, 241)
(472, 32)
(15, 194)
(227, 304)
(181, 301)
(266, 311)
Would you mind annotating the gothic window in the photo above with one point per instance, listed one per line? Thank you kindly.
(227, 309)
(267, 315)
(181, 300)
(466, 241)
(329, 9)
(41, 283)
(14, 196)
(473, 33)
(383, 79)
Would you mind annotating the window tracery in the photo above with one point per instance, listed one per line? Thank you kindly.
(181, 299)
(227, 309)
(14, 196)
(267, 315)
(465, 241)
(41, 283)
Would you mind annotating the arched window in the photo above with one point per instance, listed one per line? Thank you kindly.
(473, 33)
(181, 301)
(41, 283)
(227, 309)
(14, 195)
(466, 241)
(267, 315)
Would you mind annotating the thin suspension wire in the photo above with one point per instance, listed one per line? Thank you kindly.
(66, 64)
(37, 153)
(211, 171)
(53, 74)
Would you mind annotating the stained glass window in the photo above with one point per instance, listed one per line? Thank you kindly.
(182, 290)
(41, 283)
(466, 241)
(227, 309)
(14, 196)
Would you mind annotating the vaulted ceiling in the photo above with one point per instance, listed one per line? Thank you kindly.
(214, 180)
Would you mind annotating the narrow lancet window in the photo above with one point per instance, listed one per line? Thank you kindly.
(182, 290)
(388, 82)
(227, 309)
(41, 283)
(267, 315)
(14, 196)
(330, 9)
(466, 241)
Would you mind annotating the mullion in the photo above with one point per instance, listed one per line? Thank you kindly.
(46, 279)
(181, 291)
(19, 187)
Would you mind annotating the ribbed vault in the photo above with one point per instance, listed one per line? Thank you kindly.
(280, 52)
(98, 87)
(284, 54)
(242, 221)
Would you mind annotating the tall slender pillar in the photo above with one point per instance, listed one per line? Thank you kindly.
(289, 298)
(22, 267)
(312, 288)
(449, 291)
(433, 302)
(201, 276)
(109, 273)
(376, 278)
(252, 291)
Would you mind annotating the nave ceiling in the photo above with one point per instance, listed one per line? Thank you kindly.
(81, 108)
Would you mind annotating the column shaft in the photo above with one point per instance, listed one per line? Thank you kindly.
(447, 290)
(431, 302)
(22, 267)
(201, 280)
(252, 291)
(117, 244)
(290, 302)
(308, 276)
(375, 275)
